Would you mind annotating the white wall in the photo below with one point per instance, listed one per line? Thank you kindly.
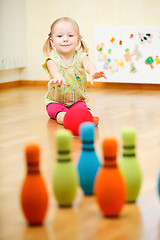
(12, 39)
(41, 13)
(10, 75)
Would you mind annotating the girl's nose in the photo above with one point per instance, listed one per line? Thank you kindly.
(65, 38)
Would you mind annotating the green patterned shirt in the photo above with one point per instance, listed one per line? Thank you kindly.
(76, 81)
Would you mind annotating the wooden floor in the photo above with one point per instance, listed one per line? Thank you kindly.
(23, 119)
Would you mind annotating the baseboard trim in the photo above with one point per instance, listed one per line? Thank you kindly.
(23, 83)
(95, 85)
(33, 83)
(124, 85)
(9, 84)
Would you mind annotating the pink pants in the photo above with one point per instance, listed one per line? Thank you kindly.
(54, 108)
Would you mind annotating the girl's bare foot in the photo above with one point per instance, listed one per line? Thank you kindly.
(60, 117)
(96, 120)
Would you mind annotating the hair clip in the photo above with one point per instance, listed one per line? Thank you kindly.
(49, 34)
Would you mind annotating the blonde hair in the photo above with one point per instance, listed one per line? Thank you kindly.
(47, 48)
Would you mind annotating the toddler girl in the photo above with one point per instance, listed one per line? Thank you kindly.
(67, 64)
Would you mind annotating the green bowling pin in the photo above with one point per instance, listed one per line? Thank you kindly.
(65, 177)
(129, 164)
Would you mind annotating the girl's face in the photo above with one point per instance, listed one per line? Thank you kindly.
(65, 38)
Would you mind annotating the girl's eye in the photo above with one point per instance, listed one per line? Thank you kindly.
(70, 35)
(59, 36)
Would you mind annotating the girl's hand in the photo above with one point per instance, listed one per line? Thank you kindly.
(57, 79)
(96, 75)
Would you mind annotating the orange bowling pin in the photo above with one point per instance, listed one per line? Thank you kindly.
(34, 195)
(110, 187)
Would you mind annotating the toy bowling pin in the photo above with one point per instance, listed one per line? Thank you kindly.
(88, 162)
(34, 194)
(110, 187)
(65, 176)
(129, 164)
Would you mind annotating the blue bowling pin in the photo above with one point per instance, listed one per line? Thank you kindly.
(88, 162)
(159, 184)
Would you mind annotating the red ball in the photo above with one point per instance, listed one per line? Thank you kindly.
(74, 117)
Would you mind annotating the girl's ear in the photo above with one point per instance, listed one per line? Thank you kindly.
(51, 41)
(79, 39)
